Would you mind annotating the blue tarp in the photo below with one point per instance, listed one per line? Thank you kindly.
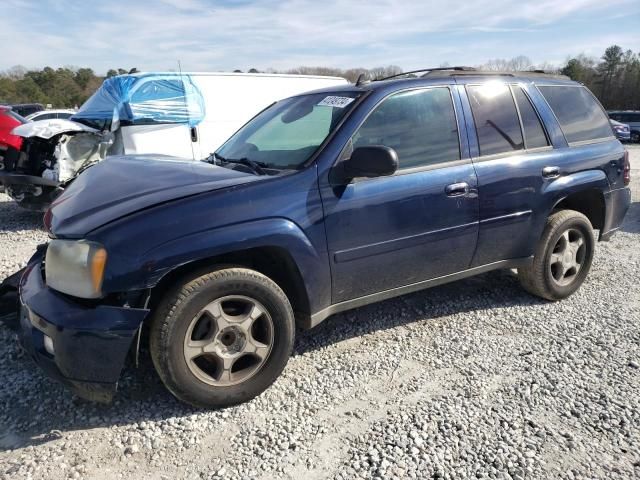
(142, 99)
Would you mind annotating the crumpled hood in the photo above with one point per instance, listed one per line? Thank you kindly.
(50, 128)
(121, 185)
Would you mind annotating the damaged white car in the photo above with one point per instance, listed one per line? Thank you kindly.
(184, 115)
(53, 153)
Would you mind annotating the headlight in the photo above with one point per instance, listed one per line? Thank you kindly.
(76, 267)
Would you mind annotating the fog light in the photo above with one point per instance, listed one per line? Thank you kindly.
(48, 345)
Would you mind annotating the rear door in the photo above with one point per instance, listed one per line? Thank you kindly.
(418, 224)
(511, 148)
(524, 153)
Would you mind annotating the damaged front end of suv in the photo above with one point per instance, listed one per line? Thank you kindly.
(53, 153)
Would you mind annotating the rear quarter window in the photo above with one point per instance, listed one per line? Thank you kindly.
(581, 117)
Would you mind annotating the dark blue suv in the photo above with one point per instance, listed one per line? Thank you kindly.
(323, 202)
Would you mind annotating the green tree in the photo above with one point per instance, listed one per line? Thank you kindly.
(608, 70)
(83, 76)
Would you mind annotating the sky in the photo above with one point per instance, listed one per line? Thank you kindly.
(208, 35)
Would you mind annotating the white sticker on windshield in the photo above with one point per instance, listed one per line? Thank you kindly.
(338, 102)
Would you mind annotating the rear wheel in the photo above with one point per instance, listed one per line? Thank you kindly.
(563, 257)
(221, 338)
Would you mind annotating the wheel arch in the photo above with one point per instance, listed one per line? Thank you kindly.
(272, 261)
(583, 192)
(589, 201)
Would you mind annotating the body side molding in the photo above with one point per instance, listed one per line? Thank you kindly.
(322, 315)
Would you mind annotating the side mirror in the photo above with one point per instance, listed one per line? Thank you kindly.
(373, 161)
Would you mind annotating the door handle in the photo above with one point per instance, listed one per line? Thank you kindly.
(551, 172)
(457, 189)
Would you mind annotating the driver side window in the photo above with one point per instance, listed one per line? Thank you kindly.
(420, 125)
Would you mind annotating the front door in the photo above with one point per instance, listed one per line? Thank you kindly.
(417, 224)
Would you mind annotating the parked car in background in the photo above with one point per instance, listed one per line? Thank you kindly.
(323, 202)
(9, 120)
(629, 117)
(187, 115)
(25, 109)
(50, 115)
(622, 131)
(9, 144)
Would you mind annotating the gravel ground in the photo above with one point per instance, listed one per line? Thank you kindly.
(472, 379)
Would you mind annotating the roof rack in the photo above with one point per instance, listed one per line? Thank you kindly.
(426, 71)
(497, 73)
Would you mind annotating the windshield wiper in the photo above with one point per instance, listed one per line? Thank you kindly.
(256, 167)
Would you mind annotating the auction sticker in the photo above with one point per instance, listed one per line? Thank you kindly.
(338, 102)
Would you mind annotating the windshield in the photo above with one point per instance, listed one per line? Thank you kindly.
(288, 133)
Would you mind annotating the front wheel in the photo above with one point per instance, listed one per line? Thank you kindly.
(222, 337)
(563, 257)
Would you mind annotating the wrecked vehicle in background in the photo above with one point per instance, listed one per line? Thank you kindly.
(184, 115)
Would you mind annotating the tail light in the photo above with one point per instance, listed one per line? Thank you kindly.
(626, 170)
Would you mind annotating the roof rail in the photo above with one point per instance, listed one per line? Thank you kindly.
(426, 71)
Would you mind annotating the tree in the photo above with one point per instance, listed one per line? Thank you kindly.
(83, 76)
(520, 63)
(614, 78)
(611, 61)
(28, 91)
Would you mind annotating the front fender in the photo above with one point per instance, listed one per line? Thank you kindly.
(270, 232)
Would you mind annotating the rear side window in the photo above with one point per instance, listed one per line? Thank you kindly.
(496, 118)
(420, 125)
(534, 136)
(46, 116)
(581, 117)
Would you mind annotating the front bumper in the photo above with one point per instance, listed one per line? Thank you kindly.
(90, 343)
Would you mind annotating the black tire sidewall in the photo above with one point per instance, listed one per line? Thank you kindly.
(183, 383)
(578, 223)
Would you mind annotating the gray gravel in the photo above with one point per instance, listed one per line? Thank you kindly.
(473, 379)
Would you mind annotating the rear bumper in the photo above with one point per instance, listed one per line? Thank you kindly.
(617, 203)
(90, 343)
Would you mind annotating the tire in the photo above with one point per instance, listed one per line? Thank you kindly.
(546, 276)
(205, 327)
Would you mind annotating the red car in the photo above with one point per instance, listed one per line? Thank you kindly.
(9, 144)
(8, 121)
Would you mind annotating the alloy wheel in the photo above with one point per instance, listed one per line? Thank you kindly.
(567, 257)
(229, 340)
